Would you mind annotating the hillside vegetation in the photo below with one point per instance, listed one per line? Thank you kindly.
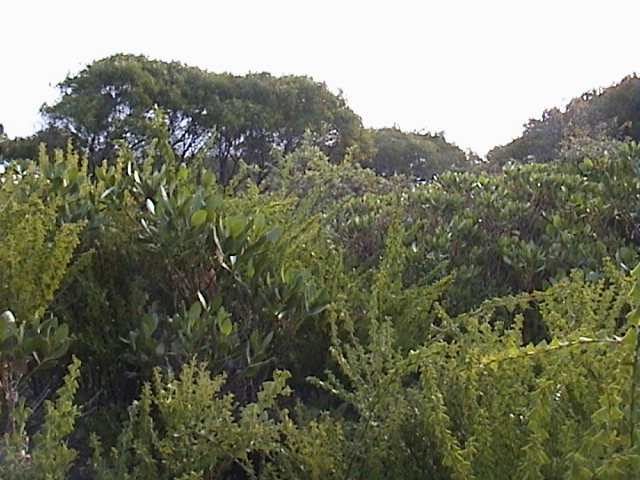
(205, 276)
(597, 115)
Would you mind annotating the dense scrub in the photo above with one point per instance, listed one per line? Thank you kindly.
(381, 329)
(605, 113)
(324, 322)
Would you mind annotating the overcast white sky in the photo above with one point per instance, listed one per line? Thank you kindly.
(476, 70)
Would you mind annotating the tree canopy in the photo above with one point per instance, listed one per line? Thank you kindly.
(612, 113)
(418, 155)
(223, 118)
(335, 323)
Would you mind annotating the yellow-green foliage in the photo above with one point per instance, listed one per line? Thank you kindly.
(474, 402)
(36, 249)
(540, 382)
(34, 255)
(37, 237)
(187, 427)
(47, 455)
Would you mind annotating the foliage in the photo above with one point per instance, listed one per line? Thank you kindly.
(414, 154)
(518, 231)
(314, 320)
(35, 257)
(168, 266)
(604, 114)
(473, 402)
(634, 407)
(223, 117)
(187, 427)
(29, 147)
(48, 455)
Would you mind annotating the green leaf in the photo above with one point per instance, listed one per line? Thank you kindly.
(254, 340)
(213, 205)
(61, 333)
(251, 371)
(274, 234)
(630, 337)
(215, 303)
(150, 323)
(266, 341)
(208, 178)
(235, 225)
(195, 310)
(226, 326)
(635, 293)
(57, 353)
(223, 347)
(198, 218)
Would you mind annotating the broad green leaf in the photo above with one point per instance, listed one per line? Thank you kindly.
(226, 327)
(213, 206)
(235, 225)
(195, 311)
(198, 218)
(274, 234)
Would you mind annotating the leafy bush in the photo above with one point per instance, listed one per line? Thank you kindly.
(36, 255)
(47, 455)
(187, 427)
(464, 328)
(473, 402)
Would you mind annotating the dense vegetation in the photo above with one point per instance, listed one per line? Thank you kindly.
(606, 113)
(299, 315)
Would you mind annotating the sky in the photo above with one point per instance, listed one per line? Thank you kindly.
(475, 70)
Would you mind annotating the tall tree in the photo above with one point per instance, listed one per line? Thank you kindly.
(223, 117)
(605, 114)
(420, 155)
